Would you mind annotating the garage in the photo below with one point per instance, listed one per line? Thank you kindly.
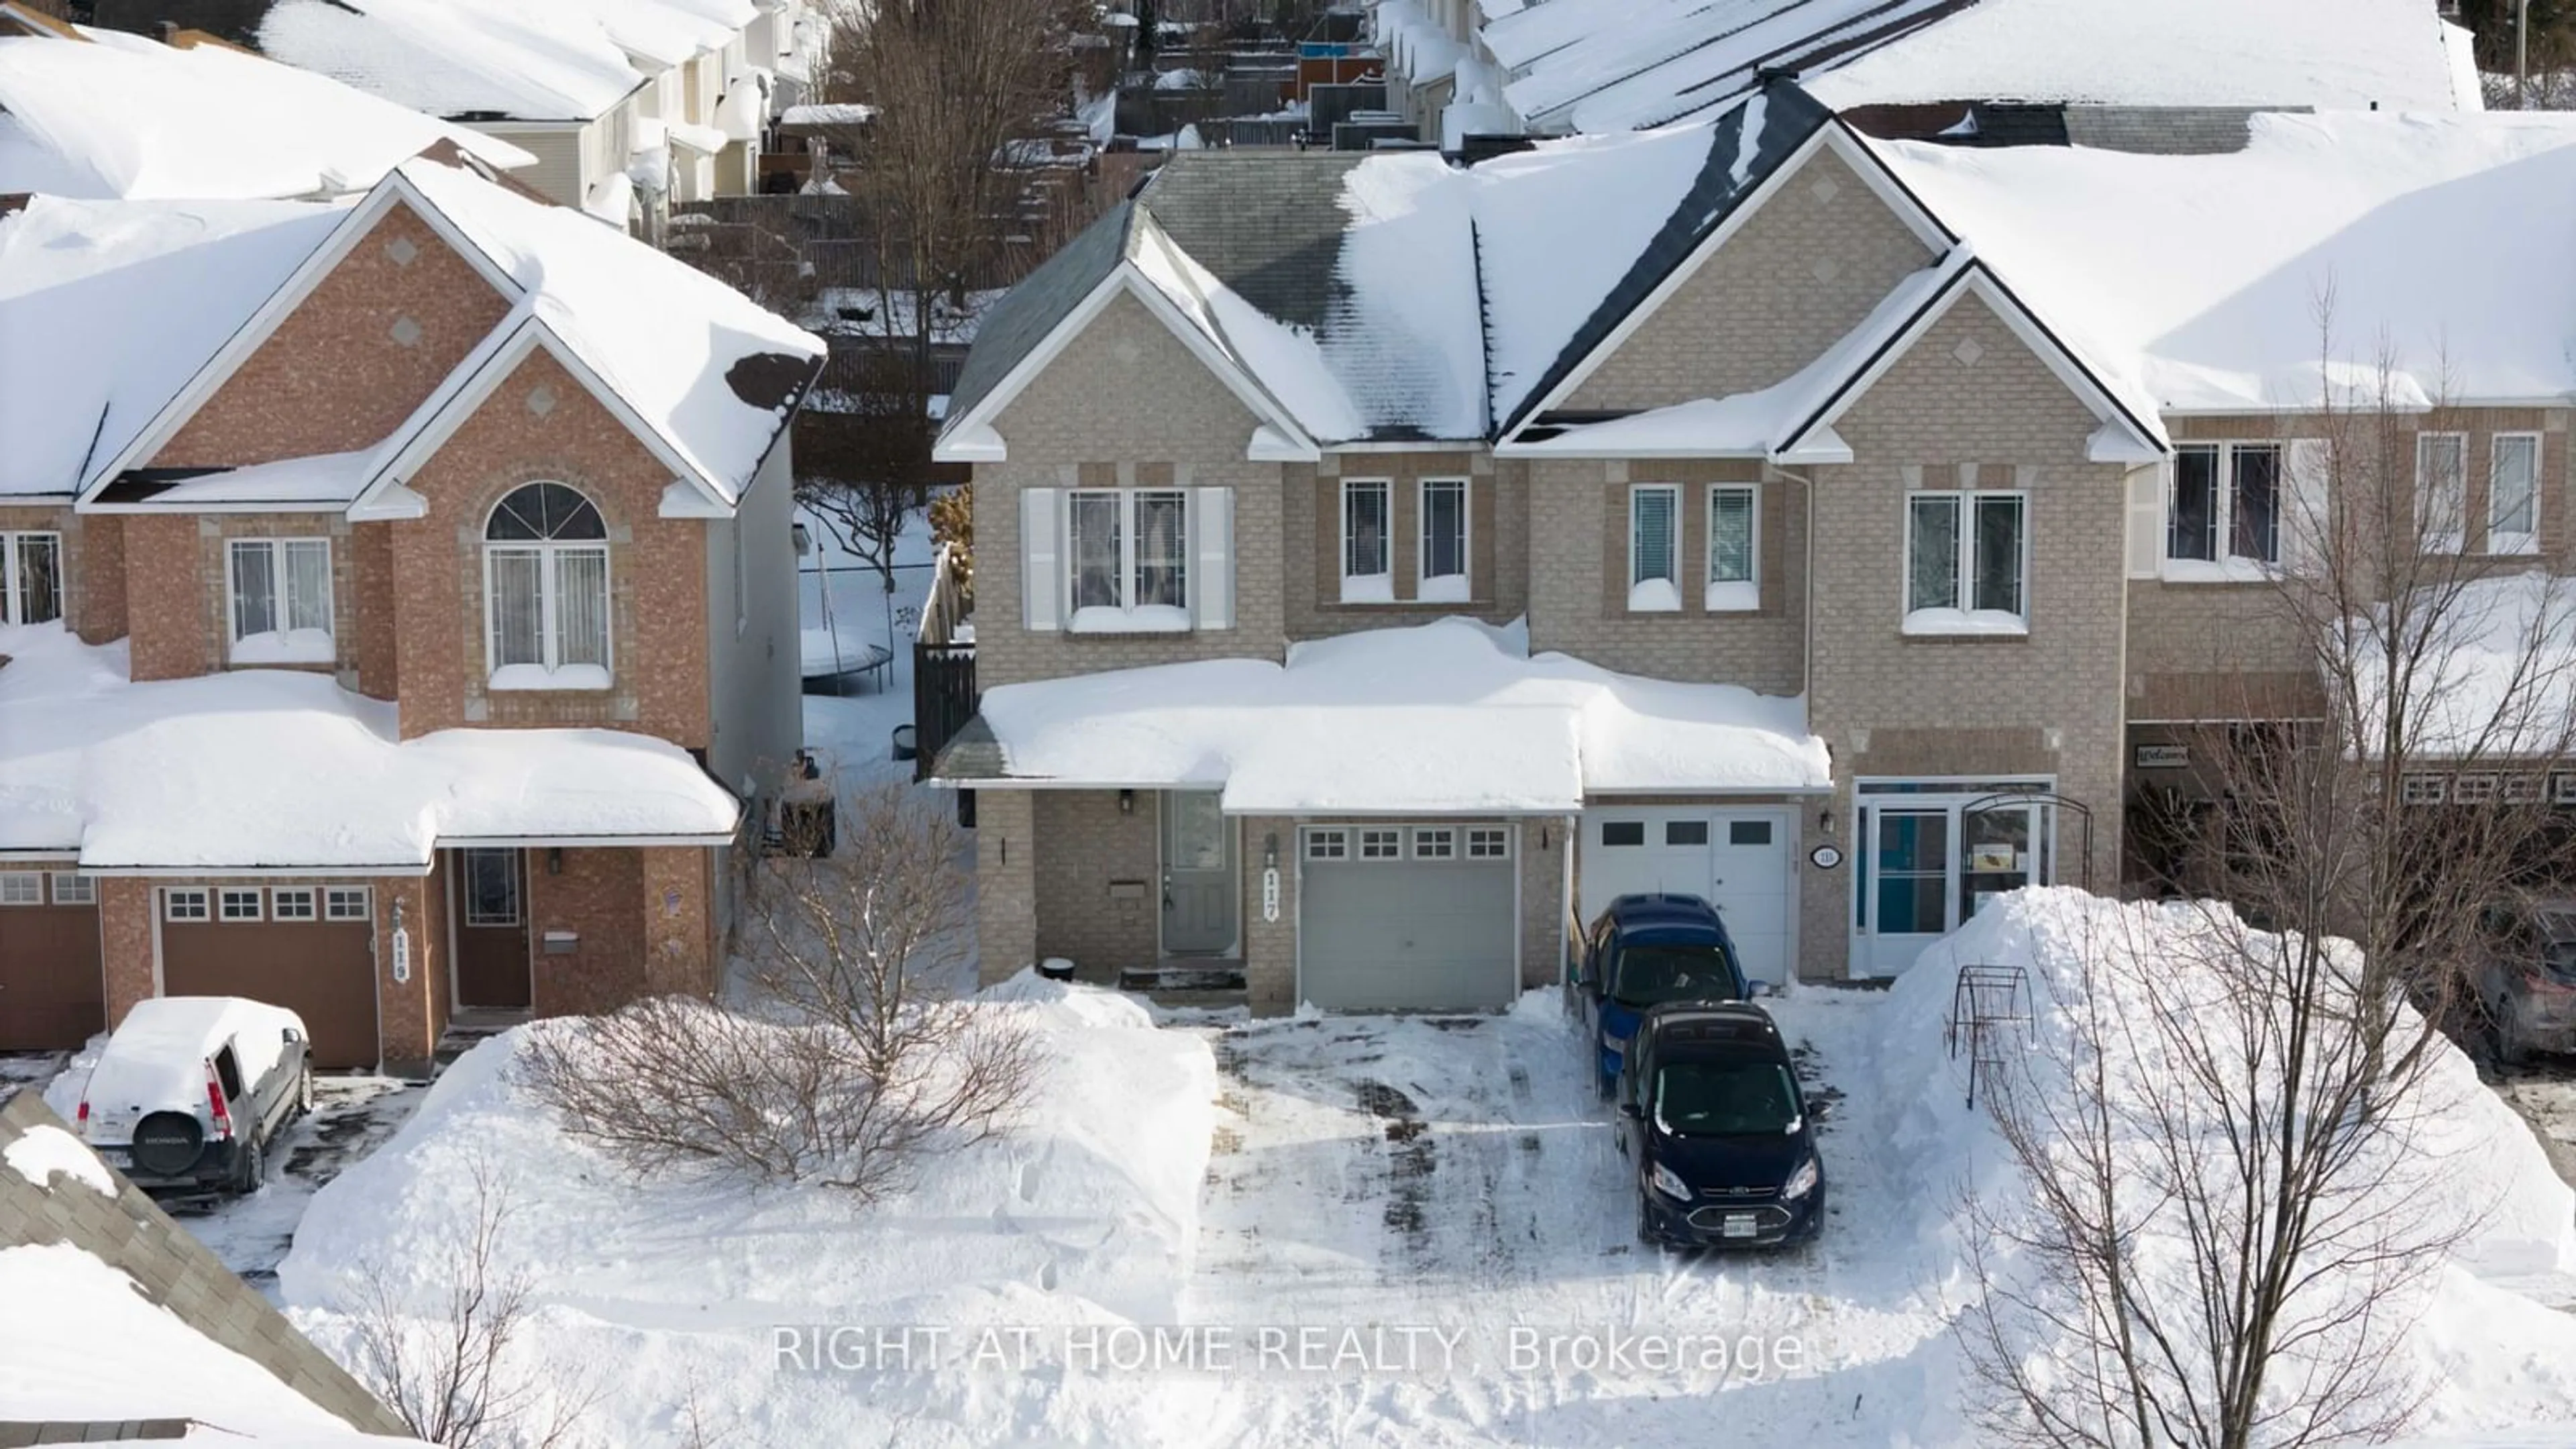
(1407, 917)
(52, 997)
(310, 949)
(1737, 859)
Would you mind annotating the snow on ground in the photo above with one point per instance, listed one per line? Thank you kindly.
(101, 1352)
(1087, 1214)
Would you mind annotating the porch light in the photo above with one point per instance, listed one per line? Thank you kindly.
(554, 860)
(1126, 802)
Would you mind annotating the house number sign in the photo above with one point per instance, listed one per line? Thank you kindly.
(402, 954)
(1270, 893)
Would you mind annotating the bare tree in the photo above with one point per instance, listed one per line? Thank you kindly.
(854, 1056)
(450, 1376)
(2228, 1149)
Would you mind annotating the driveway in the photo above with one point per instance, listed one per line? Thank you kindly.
(1456, 1176)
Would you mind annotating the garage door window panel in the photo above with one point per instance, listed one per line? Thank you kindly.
(281, 600)
(1617, 833)
(1437, 843)
(73, 889)
(545, 564)
(1381, 845)
(184, 905)
(239, 905)
(347, 903)
(22, 888)
(1488, 843)
(1328, 845)
(1685, 832)
(293, 903)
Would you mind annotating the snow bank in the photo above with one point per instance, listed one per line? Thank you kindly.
(2489, 1357)
(1460, 716)
(45, 1151)
(1086, 1213)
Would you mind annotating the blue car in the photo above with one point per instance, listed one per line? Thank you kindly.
(1721, 1137)
(1644, 951)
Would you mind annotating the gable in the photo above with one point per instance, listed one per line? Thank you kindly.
(375, 336)
(1969, 389)
(1125, 387)
(1797, 275)
(539, 422)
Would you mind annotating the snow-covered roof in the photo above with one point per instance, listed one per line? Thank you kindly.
(121, 116)
(258, 769)
(2200, 279)
(481, 59)
(2495, 671)
(108, 307)
(1460, 718)
(1616, 65)
(101, 1351)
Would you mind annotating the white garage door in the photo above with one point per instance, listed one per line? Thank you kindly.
(1737, 860)
(1407, 918)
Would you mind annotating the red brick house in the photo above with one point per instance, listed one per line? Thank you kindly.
(401, 603)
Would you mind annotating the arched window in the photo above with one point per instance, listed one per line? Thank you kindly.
(545, 589)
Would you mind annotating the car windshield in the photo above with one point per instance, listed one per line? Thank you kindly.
(1650, 975)
(2557, 932)
(1726, 1099)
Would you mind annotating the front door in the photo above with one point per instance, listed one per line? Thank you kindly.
(490, 895)
(1933, 856)
(1199, 875)
(1908, 894)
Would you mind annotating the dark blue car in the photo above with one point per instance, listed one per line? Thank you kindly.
(1646, 950)
(1711, 1115)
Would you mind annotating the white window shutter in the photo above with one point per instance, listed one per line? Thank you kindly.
(1041, 581)
(2146, 522)
(2307, 518)
(1212, 536)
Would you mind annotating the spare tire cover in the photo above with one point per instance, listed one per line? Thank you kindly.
(168, 1143)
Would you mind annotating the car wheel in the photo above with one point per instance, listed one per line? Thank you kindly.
(304, 1092)
(2509, 1048)
(253, 1165)
(1646, 1228)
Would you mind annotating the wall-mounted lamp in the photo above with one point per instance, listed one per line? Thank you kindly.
(1542, 837)
(1825, 820)
(1270, 851)
(554, 860)
(1126, 802)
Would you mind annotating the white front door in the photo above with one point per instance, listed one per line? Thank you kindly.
(1932, 855)
(1735, 859)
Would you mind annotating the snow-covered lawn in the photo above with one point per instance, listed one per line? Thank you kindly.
(1366, 1230)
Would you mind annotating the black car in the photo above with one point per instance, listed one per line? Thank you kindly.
(1712, 1118)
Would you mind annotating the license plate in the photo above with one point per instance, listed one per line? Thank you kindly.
(115, 1156)
(1737, 1225)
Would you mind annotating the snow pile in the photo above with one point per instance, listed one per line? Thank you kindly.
(45, 1152)
(455, 57)
(264, 768)
(107, 308)
(2215, 316)
(1459, 716)
(2489, 1357)
(1086, 1213)
(122, 116)
(93, 1349)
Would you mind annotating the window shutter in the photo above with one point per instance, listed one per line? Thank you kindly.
(1041, 583)
(1212, 534)
(2146, 521)
(2306, 515)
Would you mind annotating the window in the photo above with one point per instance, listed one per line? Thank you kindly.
(1748, 832)
(1328, 844)
(2562, 789)
(2207, 521)
(74, 889)
(1654, 520)
(2422, 789)
(1685, 832)
(1130, 559)
(346, 903)
(1964, 563)
(22, 888)
(1734, 526)
(228, 1074)
(183, 903)
(238, 903)
(1368, 577)
(545, 570)
(1623, 832)
(2522, 789)
(2442, 490)
(1381, 844)
(1435, 843)
(2513, 494)
(281, 596)
(1488, 842)
(491, 888)
(31, 578)
(1444, 542)
(291, 903)
(2473, 790)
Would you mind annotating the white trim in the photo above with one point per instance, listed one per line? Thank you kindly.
(2457, 539)
(2525, 543)
(1709, 582)
(1422, 574)
(275, 544)
(205, 904)
(1833, 135)
(1964, 580)
(366, 898)
(33, 881)
(1673, 547)
(462, 842)
(254, 872)
(2227, 566)
(291, 294)
(978, 441)
(312, 895)
(1386, 539)
(85, 888)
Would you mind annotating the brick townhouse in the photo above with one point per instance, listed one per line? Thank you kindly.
(1384, 562)
(398, 602)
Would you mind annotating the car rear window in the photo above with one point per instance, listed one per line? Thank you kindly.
(1650, 975)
